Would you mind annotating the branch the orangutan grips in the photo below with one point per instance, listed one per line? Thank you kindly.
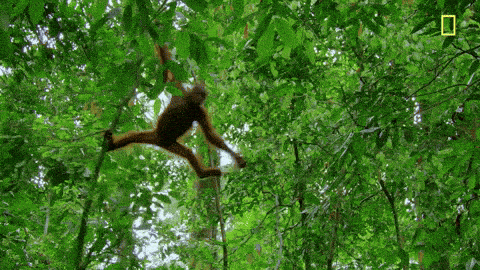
(174, 122)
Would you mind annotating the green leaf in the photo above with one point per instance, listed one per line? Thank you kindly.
(265, 43)
(448, 40)
(6, 51)
(474, 66)
(472, 182)
(197, 5)
(98, 8)
(153, 33)
(371, 25)
(309, 51)
(162, 198)
(238, 6)
(422, 24)
(20, 6)
(35, 10)
(127, 18)
(286, 32)
(198, 50)
(98, 24)
(183, 45)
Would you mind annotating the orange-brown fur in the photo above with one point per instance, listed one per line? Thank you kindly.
(177, 118)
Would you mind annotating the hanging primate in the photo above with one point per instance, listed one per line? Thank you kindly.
(177, 118)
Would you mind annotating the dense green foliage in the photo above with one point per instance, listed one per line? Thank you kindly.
(359, 122)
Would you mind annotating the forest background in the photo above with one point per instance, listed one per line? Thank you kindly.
(359, 122)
